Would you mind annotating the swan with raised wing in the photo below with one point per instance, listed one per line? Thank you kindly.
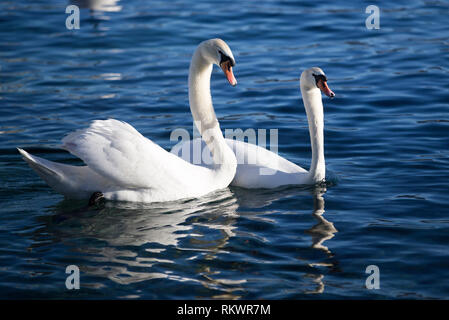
(260, 168)
(124, 165)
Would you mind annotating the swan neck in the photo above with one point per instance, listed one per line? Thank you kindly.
(203, 111)
(199, 93)
(314, 110)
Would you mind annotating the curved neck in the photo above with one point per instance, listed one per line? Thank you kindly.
(314, 109)
(204, 114)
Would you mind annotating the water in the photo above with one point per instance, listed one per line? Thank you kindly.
(386, 146)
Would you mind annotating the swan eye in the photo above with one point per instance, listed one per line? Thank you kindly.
(319, 77)
(225, 58)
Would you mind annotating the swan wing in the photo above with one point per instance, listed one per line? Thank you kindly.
(118, 152)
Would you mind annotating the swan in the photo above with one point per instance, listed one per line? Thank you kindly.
(124, 165)
(267, 169)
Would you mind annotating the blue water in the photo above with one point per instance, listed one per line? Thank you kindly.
(386, 145)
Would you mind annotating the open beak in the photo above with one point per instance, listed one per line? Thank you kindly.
(227, 69)
(325, 89)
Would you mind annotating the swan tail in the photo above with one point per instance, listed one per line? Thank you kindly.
(41, 166)
(70, 181)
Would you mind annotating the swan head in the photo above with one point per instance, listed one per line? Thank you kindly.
(216, 51)
(315, 78)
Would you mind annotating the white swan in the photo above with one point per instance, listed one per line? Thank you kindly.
(124, 165)
(267, 169)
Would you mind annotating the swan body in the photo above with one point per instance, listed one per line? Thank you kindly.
(126, 166)
(258, 167)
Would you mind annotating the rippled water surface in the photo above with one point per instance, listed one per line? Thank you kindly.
(386, 144)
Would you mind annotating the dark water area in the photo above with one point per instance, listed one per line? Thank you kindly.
(385, 203)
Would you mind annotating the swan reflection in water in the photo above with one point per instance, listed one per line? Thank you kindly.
(321, 232)
(123, 241)
(133, 242)
(98, 5)
(97, 9)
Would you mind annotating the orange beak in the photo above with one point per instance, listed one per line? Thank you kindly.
(227, 69)
(325, 89)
